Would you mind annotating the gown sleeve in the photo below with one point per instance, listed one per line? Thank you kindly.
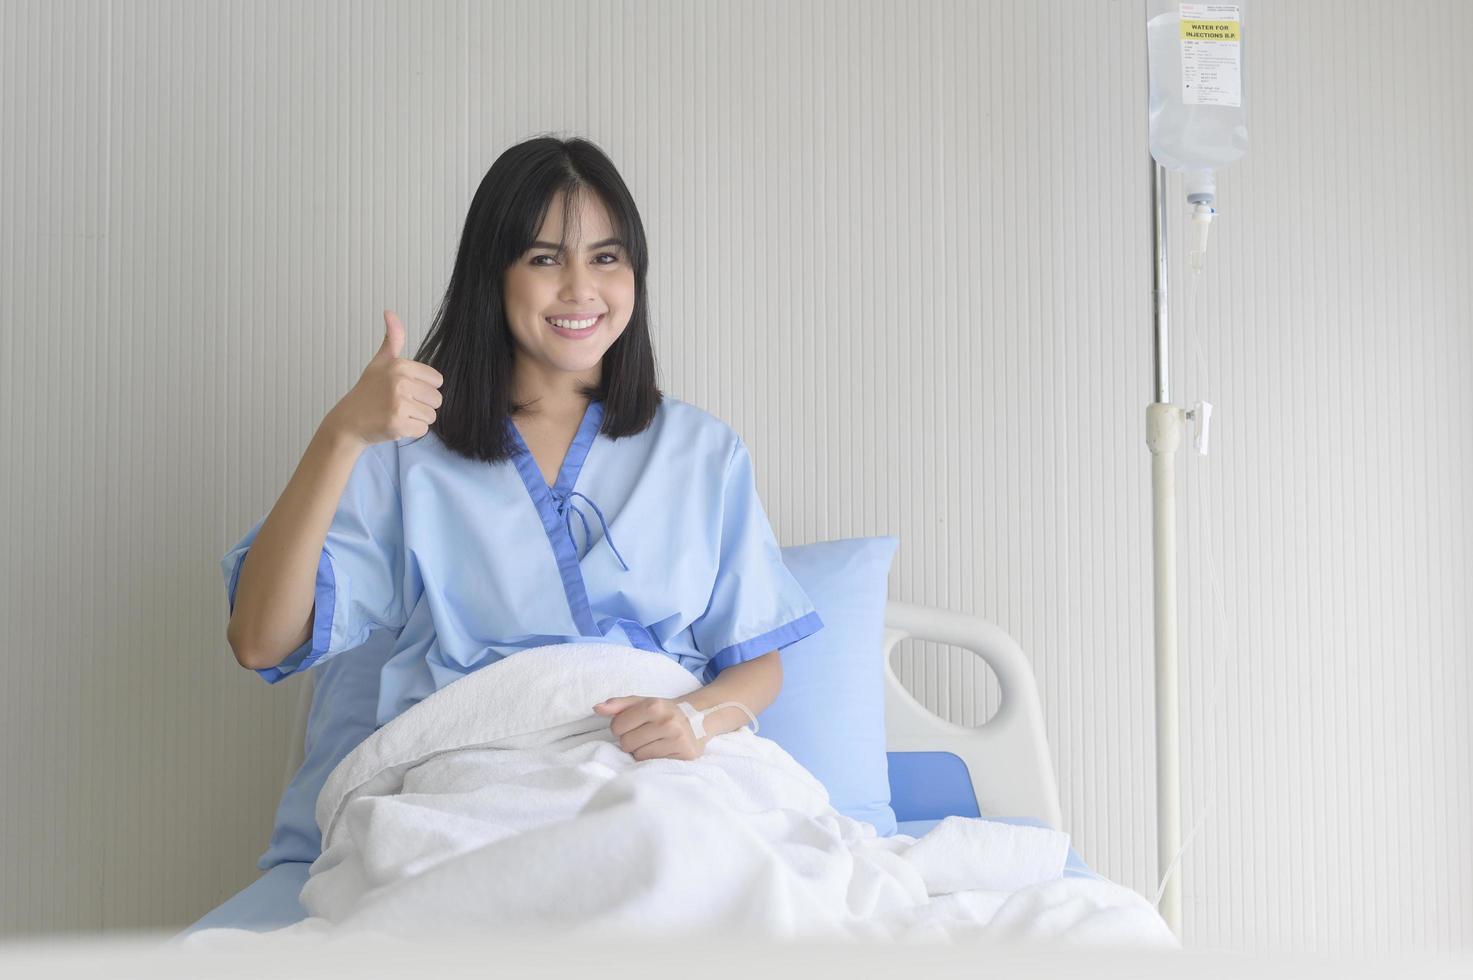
(359, 572)
(756, 606)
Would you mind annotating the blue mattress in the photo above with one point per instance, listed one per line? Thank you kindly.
(270, 902)
(267, 903)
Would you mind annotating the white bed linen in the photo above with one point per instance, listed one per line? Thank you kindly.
(502, 803)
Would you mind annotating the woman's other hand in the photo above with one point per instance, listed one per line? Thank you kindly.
(652, 728)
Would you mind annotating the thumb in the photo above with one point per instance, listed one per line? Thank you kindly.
(393, 337)
(612, 705)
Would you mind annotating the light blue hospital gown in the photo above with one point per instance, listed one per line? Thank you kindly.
(657, 541)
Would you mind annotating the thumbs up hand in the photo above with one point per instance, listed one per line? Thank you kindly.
(396, 398)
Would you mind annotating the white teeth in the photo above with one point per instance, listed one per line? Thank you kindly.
(573, 324)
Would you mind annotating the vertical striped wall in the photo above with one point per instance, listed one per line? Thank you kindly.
(904, 249)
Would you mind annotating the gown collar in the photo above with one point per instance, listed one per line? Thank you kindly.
(567, 475)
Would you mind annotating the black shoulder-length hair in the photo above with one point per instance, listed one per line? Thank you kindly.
(469, 341)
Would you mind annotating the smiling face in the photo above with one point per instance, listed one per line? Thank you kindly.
(592, 277)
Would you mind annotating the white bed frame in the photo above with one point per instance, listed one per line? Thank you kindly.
(1007, 757)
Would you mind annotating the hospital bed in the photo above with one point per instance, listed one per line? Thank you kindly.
(1000, 769)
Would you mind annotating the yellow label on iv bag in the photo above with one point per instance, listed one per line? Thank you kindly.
(1210, 30)
(1211, 54)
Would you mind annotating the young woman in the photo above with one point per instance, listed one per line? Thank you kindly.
(522, 481)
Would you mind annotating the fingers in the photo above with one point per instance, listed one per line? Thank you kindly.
(427, 395)
(645, 735)
(663, 748)
(423, 373)
(632, 713)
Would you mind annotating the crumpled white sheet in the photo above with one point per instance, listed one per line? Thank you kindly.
(502, 802)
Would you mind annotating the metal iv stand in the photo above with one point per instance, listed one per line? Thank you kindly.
(1163, 436)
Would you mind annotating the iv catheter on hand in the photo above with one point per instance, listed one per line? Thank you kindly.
(698, 718)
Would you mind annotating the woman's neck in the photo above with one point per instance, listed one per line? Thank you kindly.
(553, 403)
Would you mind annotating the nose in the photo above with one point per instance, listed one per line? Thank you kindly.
(577, 283)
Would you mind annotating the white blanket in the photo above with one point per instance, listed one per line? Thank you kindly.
(502, 802)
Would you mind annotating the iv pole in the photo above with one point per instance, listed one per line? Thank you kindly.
(1163, 436)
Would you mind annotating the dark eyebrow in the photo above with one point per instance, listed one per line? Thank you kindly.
(606, 241)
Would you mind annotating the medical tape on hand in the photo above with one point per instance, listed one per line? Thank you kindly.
(697, 718)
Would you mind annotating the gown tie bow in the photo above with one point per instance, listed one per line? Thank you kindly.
(567, 508)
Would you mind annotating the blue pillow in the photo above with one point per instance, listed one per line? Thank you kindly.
(832, 677)
(830, 713)
(344, 712)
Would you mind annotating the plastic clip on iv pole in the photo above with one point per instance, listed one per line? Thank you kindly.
(697, 718)
(1202, 414)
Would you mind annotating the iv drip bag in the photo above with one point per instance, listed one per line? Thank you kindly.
(1198, 121)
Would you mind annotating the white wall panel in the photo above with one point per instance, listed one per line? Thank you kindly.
(904, 249)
